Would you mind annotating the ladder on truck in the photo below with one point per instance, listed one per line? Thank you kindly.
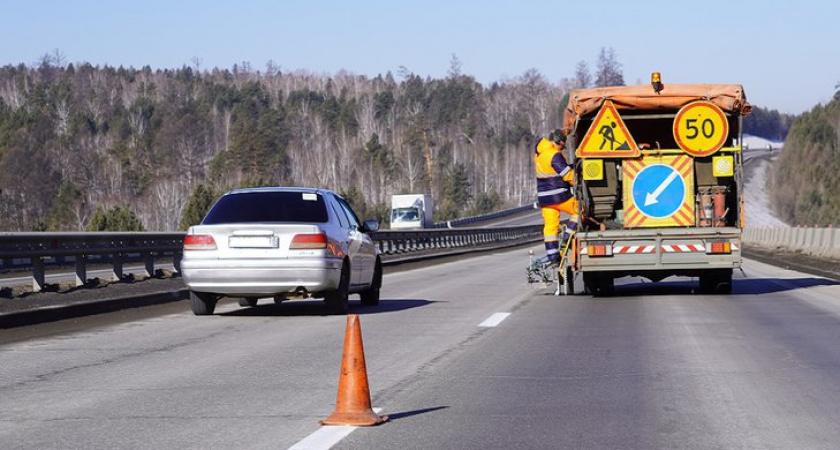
(558, 274)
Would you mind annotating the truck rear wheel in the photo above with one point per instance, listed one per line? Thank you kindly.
(717, 281)
(598, 285)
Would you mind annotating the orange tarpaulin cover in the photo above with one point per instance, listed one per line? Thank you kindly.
(729, 97)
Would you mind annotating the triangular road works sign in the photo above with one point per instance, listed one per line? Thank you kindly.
(608, 137)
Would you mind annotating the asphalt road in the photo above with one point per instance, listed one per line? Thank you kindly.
(656, 366)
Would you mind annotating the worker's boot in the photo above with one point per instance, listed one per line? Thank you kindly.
(547, 260)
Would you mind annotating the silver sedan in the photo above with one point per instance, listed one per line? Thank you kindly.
(283, 243)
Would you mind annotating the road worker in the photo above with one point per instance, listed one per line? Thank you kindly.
(555, 178)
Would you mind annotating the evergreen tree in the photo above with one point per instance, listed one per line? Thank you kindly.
(61, 216)
(114, 219)
(583, 79)
(456, 193)
(609, 69)
(485, 203)
(769, 124)
(804, 187)
(201, 199)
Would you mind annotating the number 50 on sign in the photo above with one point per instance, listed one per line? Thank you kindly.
(701, 128)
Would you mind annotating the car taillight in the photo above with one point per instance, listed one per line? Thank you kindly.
(199, 242)
(309, 241)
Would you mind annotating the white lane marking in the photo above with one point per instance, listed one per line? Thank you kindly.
(494, 320)
(326, 437)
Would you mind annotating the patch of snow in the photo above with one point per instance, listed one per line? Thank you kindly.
(758, 213)
(755, 142)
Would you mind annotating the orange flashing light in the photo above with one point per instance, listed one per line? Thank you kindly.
(656, 82)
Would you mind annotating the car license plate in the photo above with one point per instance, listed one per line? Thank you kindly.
(253, 242)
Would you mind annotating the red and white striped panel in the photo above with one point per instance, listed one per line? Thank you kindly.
(689, 248)
(634, 248)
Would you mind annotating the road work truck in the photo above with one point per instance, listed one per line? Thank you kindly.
(659, 183)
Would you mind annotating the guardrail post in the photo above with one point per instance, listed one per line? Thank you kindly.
(81, 270)
(117, 259)
(38, 278)
(149, 263)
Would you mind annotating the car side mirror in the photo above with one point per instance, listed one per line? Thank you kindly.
(370, 226)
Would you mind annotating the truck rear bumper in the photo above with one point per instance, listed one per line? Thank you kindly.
(664, 251)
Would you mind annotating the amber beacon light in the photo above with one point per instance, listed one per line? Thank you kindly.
(656, 82)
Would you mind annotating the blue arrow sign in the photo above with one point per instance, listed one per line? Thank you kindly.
(658, 191)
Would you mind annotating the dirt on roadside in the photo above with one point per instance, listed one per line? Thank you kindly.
(21, 298)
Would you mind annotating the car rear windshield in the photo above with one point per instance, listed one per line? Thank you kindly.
(268, 207)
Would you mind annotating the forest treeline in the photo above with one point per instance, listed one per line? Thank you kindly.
(805, 186)
(768, 123)
(85, 147)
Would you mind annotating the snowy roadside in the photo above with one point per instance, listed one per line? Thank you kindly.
(758, 213)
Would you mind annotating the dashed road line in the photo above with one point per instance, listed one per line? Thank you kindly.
(494, 320)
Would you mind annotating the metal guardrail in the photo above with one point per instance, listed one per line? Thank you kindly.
(77, 248)
(56, 248)
(750, 155)
(484, 217)
(395, 242)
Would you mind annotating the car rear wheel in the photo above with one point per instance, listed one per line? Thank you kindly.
(370, 297)
(203, 303)
(248, 301)
(338, 301)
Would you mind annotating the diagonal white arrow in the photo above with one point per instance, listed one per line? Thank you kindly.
(653, 197)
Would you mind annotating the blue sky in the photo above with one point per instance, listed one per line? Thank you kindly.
(786, 54)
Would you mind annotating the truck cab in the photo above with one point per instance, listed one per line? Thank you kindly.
(412, 211)
(659, 183)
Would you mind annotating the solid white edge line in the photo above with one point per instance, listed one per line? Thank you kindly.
(326, 437)
(494, 320)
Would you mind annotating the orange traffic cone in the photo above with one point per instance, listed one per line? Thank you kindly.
(353, 404)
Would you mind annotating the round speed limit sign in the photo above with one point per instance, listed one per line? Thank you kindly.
(701, 128)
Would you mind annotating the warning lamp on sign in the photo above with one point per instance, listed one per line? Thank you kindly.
(656, 82)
